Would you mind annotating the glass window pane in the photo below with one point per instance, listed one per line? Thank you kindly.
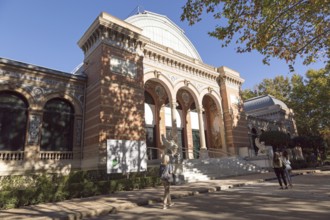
(13, 121)
(57, 126)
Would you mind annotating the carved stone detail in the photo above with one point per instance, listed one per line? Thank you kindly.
(78, 132)
(34, 129)
(186, 98)
(157, 74)
(160, 92)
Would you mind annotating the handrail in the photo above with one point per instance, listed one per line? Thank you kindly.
(216, 150)
(213, 153)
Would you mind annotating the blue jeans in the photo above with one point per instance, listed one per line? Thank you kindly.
(279, 172)
(288, 176)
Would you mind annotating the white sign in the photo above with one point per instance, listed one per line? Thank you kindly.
(126, 156)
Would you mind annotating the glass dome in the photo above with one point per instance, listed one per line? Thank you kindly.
(162, 30)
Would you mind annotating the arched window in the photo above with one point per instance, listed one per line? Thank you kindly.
(13, 121)
(57, 126)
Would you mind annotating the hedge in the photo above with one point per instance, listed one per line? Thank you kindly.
(17, 191)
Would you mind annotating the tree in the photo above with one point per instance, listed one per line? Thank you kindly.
(248, 94)
(310, 101)
(276, 139)
(308, 142)
(278, 87)
(283, 28)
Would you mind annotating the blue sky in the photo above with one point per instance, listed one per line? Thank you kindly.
(46, 32)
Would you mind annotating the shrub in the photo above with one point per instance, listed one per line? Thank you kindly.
(276, 139)
(26, 190)
(299, 164)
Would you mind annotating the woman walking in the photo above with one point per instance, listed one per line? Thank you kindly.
(166, 175)
(288, 168)
(279, 170)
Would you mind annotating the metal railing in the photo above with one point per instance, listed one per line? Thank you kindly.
(153, 153)
(216, 152)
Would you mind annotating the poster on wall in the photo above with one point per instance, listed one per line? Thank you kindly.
(126, 156)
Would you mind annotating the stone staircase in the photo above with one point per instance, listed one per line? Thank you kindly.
(194, 170)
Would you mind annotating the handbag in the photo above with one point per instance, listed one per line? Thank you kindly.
(288, 167)
(169, 177)
(165, 175)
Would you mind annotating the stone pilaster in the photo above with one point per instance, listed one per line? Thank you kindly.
(234, 117)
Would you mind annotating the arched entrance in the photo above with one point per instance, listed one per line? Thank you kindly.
(189, 129)
(156, 99)
(213, 126)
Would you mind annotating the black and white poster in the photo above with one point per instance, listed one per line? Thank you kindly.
(126, 156)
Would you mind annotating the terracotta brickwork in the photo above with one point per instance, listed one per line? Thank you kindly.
(114, 103)
(234, 117)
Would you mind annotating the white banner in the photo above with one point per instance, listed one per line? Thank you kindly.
(126, 156)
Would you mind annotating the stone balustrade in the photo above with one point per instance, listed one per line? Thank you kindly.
(11, 155)
(56, 155)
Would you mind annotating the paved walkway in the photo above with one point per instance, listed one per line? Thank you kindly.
(101, 205)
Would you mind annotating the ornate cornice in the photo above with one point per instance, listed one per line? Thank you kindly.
(161, 55)
(40, 86)
(115, 32)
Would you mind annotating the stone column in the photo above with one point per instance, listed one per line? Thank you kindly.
(32, 149)
(222, 133)
(203, 151)
(174, 131)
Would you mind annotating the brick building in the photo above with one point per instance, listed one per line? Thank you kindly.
(141, 79)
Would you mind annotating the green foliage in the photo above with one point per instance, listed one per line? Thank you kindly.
(283, 28)
(278, 87)
(298, 164)
(276, 139)
(311, 142)
(248, 94)
(310, 101)
(26, 190)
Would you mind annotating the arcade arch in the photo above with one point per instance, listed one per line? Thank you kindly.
(214, 126)
(156, 98)
(192, 118)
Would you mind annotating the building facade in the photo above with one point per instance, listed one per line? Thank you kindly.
(266, 113)
(141, 79)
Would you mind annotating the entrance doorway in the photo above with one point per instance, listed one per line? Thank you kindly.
(196, 143)
(151, 143)
(180, 143)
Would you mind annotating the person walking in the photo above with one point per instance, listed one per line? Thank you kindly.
(288, 168)
(279, 169)
(166, 175)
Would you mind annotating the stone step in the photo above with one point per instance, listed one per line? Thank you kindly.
(213, 168)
